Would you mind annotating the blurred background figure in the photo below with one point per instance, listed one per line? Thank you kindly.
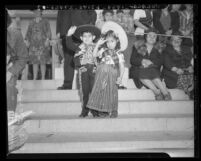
(178, 70)
(186, 24)
(107, 15)
(17, 55)
(143, 19)
(37, 38)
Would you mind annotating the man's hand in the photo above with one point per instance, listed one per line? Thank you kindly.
(119, 81)
(47, 42)
(27, 43)
(8, 76)
(71, 31)
(58, 36)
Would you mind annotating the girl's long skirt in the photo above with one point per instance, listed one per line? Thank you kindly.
(104, 95)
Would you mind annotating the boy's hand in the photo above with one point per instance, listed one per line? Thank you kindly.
(71, 31)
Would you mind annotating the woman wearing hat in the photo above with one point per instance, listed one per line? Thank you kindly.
(178, 71)
(104, 96)
(146, 62)
(37, 37)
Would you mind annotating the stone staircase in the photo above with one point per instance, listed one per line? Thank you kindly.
(143, 124)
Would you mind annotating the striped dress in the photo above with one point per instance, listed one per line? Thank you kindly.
(104, 95)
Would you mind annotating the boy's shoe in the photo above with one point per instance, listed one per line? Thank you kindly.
(63, 88)
(84, 113)
(159, 97)
(167, 97)
(121, 87)
(114, 114)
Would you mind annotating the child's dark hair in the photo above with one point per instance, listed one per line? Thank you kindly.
(81, 34)
(119, 11)
(106, 11)
(111, 33)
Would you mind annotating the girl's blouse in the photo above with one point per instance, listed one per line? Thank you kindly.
(111, 56)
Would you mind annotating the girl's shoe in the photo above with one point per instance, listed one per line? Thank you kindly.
(167, 97)
(103, 114)
(114, 114)
(159, 97)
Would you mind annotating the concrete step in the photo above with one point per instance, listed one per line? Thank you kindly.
(53, 84)
(153, 141)
(73, 95)
(124, 107)
(124, 123)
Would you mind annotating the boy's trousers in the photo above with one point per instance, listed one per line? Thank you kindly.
(86, 81)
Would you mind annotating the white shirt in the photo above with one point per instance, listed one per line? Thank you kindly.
(139, 13)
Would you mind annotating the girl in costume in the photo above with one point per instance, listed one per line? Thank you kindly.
(103, 100)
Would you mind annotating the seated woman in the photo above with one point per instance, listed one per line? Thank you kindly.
(178, 71)
(146, 62)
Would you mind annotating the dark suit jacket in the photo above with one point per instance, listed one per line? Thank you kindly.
(68, 18)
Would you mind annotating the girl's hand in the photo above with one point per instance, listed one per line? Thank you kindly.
(71, 31)
(119, 81)
(101, 41)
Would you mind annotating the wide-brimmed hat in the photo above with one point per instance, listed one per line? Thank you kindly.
(87, 28)
(119, 31)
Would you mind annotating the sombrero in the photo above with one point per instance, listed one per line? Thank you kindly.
(87, 28)
(119, 31)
